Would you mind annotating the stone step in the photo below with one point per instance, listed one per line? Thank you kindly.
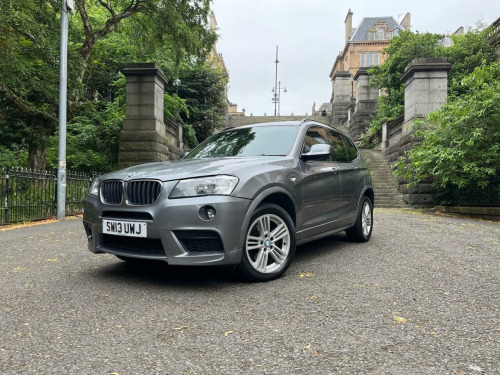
(378, 205)
(387, 196)
(385, 185)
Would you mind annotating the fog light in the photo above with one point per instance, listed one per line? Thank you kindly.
(207, 213)
(211, 213)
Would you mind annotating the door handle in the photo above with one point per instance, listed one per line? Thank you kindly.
(335, 170)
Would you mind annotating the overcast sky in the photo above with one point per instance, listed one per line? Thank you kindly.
(310, 34)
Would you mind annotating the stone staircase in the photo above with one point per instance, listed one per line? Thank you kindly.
(384, 183)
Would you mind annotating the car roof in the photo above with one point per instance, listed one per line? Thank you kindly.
(282, 123)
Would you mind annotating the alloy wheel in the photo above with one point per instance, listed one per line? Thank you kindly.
(268, 243)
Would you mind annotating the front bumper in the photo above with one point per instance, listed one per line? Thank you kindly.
(172, 226)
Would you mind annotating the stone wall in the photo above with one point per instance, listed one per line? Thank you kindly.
(236, 121)
(420, 195)
(426, 82)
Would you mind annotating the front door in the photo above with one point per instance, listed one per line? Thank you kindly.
(320, 187)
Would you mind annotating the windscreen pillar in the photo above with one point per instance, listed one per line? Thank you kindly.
(144, 137)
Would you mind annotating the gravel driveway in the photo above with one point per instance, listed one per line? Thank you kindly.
(422, 297)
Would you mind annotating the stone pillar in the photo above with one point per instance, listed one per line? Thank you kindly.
(385, 138)
(144, 137)
(341, 98)
(426, 88)
(366, 101)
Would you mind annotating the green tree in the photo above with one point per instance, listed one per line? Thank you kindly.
(28, 72)
(203, 88)
(468, 51)
(103, 37)
(402, 50)
(460, 146)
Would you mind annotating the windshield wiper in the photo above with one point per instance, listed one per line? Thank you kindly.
(269, 155)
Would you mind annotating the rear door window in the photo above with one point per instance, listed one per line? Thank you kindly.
(339, 152)
(351, 150)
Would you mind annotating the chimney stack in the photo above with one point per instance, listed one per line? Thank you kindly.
(348, 26)
(406, 22)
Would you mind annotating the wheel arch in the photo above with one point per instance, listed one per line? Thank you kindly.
(276, 195)
(370, 194)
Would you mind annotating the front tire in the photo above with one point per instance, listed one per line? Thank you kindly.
(269, 244)
(362, 229)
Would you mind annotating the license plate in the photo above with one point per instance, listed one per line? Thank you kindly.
(125, 228)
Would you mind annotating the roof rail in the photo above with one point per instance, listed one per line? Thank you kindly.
(306, 119)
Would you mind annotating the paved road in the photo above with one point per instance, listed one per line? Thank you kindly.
(421, 298)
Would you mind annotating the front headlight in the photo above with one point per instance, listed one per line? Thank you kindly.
(216, 185)
(94, 187)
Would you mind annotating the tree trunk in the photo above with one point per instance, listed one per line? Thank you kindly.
(91, 36)
(37, 157)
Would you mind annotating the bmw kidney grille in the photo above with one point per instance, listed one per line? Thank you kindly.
(136, 193)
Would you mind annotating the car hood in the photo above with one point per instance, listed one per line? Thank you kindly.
(191, 168)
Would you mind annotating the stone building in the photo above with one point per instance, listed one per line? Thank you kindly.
(214, 56)
(495, 35)
(447, 41)
(233, 110)
(324, 109)
(218, 61)
(349, 74)
(364, 44)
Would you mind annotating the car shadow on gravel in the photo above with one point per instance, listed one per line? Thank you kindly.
(164, 275)
(311, 251)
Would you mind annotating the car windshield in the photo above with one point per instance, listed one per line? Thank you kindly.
(257, 141)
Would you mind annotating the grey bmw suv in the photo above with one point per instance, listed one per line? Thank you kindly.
(244, 197)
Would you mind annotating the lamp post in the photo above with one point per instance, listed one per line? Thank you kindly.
(352, 86)
(180, 135)
(176, 83)
(66, 6)
(277, 96)
(277, 88)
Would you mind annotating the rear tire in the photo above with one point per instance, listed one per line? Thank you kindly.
(269, 244)
(362, 229)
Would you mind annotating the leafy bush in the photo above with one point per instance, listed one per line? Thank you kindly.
(460, 146)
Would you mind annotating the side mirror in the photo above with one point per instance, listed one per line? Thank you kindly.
(317, 152)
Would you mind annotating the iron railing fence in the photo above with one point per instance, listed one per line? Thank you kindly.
(27, 195)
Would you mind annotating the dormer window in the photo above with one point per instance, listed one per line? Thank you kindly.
(388, 35)
(380, 34)
(371, 35)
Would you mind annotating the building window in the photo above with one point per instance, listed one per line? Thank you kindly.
(380, 34)
(371, 35)
(447, 41)
(388, 35)
(369, 58)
